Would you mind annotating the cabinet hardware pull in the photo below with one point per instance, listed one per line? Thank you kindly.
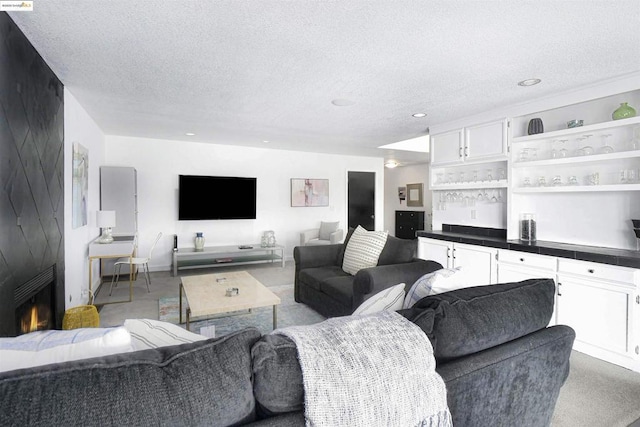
(591, 270)
(638, 299)
(460, 152)
(559, 284)
(521, 259)
(466, 151)
(637, 349)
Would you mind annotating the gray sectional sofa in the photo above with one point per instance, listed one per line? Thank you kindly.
(321, 283)
(501, 364)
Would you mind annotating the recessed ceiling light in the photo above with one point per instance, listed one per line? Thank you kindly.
(342, 102)
(529, 82)
(190, 134)
(419, 115)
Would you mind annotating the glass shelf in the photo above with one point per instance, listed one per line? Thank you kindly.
(578, 188)
(470, 185)
(594, 158)
(578, 130)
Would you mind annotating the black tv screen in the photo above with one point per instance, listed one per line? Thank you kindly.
(216, 197)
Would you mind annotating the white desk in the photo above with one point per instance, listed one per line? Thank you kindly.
(122, 247)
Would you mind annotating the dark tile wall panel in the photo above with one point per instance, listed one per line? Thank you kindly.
(31, 170)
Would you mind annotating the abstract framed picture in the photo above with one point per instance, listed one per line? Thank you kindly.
(80, 185)
(306, 192)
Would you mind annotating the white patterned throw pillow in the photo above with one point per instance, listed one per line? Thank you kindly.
(437, 282)
(45, 347)
(147, 333)
(389, 299)
(363, 250)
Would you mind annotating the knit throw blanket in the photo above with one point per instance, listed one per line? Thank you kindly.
(370, 370)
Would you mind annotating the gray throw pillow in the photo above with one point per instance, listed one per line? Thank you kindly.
(326, 228)
(277, 376)
(201, 383)
(469, 320)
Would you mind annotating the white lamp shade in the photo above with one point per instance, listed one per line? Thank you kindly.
(106, 219)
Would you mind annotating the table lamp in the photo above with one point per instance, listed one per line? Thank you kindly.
(106, 220)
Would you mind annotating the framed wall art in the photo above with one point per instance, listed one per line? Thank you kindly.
(414, 194)
(79, 185)
(306, 192)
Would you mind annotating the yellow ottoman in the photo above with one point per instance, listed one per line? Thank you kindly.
(82, 316)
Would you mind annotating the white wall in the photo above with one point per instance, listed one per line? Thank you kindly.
(400, 177)
(159, 162)
(80, 127)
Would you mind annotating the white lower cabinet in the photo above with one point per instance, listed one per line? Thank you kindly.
(516, 266)
(477, 263)
(600, 302)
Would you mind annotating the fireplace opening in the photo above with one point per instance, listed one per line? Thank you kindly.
(35, 303)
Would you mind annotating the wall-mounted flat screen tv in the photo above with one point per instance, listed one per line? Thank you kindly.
(216, 197)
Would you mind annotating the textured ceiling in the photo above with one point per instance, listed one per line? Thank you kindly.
(241, 72)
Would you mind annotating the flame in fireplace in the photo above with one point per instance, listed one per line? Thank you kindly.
(31, 322)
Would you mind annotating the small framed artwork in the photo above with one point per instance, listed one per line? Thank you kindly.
(307, 192)
(414, 194)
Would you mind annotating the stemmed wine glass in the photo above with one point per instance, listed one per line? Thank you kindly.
(562, 152)
(606, 148)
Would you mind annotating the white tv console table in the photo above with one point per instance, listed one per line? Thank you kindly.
(220, 256)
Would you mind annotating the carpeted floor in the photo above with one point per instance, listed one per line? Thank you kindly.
(289, 313)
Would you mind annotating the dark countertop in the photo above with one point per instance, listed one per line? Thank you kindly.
(496, 238)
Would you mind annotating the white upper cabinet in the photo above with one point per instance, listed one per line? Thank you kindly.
(477, 143)
(487, 141)
(447, 148)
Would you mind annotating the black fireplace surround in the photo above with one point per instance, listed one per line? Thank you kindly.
(31, 173)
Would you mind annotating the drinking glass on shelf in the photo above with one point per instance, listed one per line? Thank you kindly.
(439, 177)
(632, 176)
(526, 182)
(584, 149)
(555, 152)
(563, 152)
(573, 180)
(461, 177)
(501, 174)
(556, 181)
(489, 174)
(622, 176)
(474, 176)
(634, 144)
(450, 178)
(605, 148)
(542, 181)
(593, 178)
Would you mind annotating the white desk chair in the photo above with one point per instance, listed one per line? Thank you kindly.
(144, 262)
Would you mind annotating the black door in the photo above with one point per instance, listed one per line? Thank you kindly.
(361, 194)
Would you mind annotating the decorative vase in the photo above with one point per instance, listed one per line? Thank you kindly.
(199, 241)
(624, 111)
(535, 126)
(268, 239)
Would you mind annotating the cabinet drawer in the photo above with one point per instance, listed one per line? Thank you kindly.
(527, 259)
(597, 271)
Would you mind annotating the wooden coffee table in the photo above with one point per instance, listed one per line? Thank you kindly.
(206, 295)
